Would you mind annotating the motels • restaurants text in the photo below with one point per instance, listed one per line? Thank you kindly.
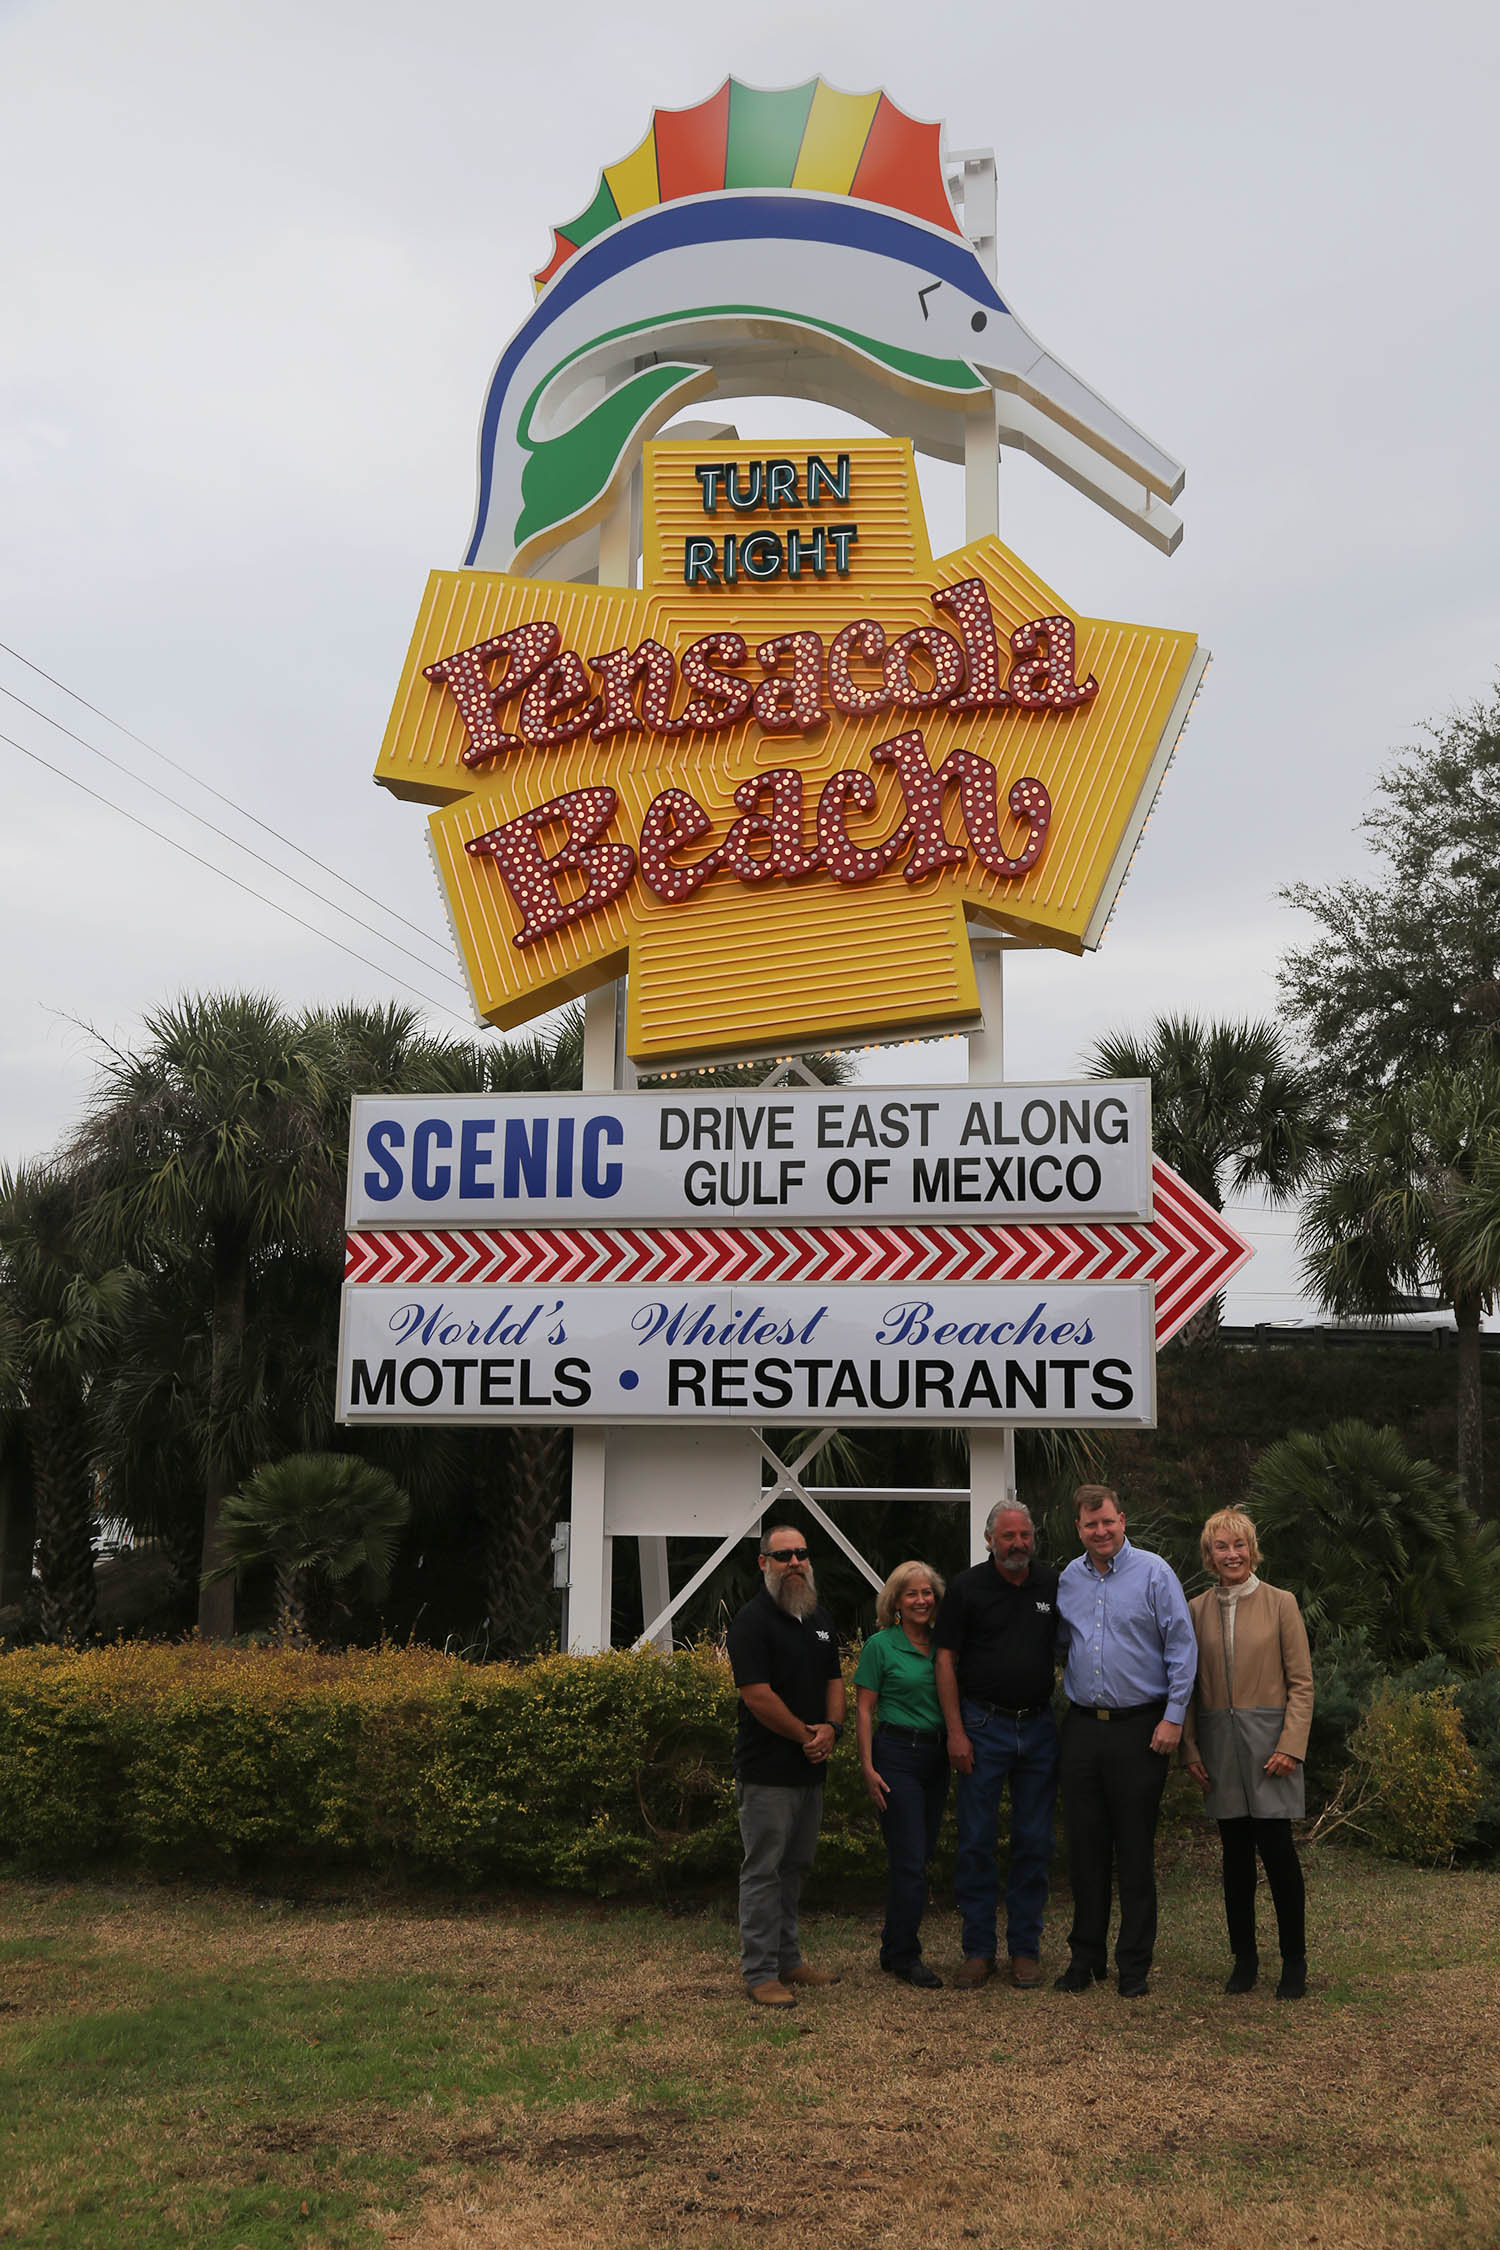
(1036, 1363)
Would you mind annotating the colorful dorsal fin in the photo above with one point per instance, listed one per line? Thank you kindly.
(810, 137)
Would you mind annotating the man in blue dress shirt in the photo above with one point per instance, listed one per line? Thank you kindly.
(1132, 1658)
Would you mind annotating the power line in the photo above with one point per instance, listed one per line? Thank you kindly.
(214, 829)
(199, 783)
(224, 875)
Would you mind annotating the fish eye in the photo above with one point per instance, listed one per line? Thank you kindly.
(978, 321)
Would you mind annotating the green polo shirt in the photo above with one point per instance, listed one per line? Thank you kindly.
(904, 1681)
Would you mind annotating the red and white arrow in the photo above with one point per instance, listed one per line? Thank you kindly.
(1186, 1249)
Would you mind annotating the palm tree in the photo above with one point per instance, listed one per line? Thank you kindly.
(1405, 1205)
(328, 1521)
(17, 1516)
(60, 1309)
(1229, 1109)
(1374, 1541)
(211, 1145)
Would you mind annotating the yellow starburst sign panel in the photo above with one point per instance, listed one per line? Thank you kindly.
(778, 780)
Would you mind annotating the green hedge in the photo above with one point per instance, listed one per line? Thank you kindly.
(604, 1774)
(598, 1773)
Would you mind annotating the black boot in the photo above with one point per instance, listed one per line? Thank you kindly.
(1244, 1973)
(1293, 1985)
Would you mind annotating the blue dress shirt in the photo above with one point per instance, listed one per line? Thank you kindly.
(1130, 1638)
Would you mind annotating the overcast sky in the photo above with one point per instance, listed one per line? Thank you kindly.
(258, 265)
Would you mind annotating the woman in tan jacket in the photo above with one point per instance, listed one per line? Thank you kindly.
(1245, 1739)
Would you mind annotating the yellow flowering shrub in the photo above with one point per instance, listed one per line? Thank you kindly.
(1426, 1779)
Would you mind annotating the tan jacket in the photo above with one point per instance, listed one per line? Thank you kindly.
(1272, 1665)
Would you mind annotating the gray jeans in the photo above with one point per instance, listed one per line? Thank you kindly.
(779, 1830)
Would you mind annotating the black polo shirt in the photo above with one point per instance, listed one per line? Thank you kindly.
(796, 1657)
(1002, 1636)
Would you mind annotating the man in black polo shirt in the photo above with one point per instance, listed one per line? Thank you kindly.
(996, 1634)
(786, 1666)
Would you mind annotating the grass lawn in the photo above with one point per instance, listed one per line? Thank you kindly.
(221, 2069)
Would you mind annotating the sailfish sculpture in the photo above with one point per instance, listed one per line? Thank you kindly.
(798, 243)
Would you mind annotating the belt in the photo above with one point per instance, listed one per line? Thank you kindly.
(1007, 1710)
(1115, 1711)
(911, 1737)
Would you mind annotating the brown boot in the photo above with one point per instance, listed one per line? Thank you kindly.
(802, 1974)
(1025, 1972)
(974, 1972)
(772, 1994)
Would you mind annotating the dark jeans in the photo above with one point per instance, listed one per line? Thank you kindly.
(1025, 1752)
(1242, 1839)
(916, 1774)
(1112, 1782)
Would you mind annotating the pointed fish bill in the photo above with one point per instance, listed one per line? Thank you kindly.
(1124, 497)
(1031, 374)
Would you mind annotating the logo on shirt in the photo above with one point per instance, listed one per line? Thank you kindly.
(1044, 1609)
(822, 1636)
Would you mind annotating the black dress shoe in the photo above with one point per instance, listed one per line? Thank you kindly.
(1078, 1977)
(1293, 1985)
(1244, 1973)
(1134, 1988)
(914, 1972)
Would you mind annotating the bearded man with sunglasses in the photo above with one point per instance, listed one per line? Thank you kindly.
(785, 1657)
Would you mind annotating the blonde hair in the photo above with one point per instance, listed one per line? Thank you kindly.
(1224, 1525)
(896, 1585)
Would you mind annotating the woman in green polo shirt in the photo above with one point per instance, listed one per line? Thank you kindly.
(898, 1723)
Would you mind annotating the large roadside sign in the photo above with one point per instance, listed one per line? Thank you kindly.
(863, 1155)
(711, 715)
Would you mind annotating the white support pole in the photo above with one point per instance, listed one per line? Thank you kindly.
(982, 471)
(589, 1552)
(656, 1592)
(992, 1453)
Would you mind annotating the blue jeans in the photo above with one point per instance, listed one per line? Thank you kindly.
(1025, 1750)
(916, 1774)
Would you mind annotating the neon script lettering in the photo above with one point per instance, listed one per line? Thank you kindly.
(766, 840)
(643, 690)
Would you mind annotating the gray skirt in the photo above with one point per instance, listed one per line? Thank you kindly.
(1234, 1745)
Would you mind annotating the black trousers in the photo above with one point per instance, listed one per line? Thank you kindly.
(1112, 1781)
(1242, 1839)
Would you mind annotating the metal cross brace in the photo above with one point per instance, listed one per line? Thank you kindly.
(793, 1067)
(788, 1478)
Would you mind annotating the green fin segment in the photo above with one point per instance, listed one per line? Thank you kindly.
(565, 475)
(765, 134)
(601, 214)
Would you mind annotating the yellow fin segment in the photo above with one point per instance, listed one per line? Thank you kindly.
(632, 182)
(838, 126)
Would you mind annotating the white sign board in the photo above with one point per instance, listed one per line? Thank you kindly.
(867, 1155)
(1080, 1355)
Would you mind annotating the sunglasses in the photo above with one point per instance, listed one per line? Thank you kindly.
(786, 1554)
